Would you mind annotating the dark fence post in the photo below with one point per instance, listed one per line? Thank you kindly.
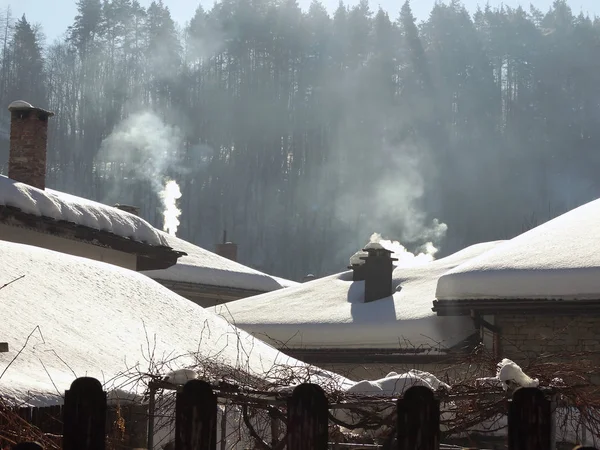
(308, 418)
(84, 416)
(28, 446)
(196, 417)
(530, 421)
(418, 420)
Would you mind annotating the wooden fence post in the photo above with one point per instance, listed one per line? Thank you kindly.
(84, 416)
(530, 421)
(308, 418)
(196, 417)
(28, 446)
(418, 420)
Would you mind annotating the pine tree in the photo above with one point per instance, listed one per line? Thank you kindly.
(86, 28)
(27, 68)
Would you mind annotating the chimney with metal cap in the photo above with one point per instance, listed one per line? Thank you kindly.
(377, 271)
(28, 143)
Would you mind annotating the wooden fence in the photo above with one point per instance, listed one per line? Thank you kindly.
(530, 419)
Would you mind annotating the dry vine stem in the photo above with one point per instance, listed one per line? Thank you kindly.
(256, 405)
(255, 402)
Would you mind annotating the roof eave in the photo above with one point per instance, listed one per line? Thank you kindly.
(205, 288)
(153, 257)
(522, 306)
(368, 356)
(359, 355)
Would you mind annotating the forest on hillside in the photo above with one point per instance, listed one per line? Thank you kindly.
(301, 133)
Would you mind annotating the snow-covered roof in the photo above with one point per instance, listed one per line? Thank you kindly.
(201, 266)
(71, 316)
(330, 312)
(60, 206)
(559, 259)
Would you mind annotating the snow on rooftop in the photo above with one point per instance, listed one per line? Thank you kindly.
(204, 267)
(60, 206)
(559, 259)
(72, 316)
(330, 312)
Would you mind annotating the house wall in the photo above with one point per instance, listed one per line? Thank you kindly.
(72, 247)
(357, 367)
(359, 372)
(525, 337)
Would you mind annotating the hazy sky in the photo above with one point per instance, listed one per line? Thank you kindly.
(56, 15)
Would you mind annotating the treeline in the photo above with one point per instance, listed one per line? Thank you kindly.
(301, 133)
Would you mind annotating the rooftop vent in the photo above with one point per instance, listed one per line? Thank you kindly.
(128, 208)
(227, 249)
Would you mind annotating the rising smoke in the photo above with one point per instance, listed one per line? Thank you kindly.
(148, 148)
(385, 174)
(424, 254)
(169, 196)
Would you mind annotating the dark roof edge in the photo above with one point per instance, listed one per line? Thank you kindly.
(69, 230)
(416, 355)
(542, 306)
(367, 356)
(205, 287)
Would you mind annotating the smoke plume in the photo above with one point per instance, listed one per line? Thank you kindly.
(148, 148)
(423, 255)
(169, 196)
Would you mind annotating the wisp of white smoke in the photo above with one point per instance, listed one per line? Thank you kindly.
(148, 147)
(425, 254)
(145, 145)
(169, 196)
(406, 258)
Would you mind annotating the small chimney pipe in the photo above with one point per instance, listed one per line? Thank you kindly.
(128, 208)
(28, 143)
(358, 271)
(227, 249)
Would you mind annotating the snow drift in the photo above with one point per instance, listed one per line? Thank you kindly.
(70, 317)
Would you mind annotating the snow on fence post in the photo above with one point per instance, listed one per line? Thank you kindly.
(84, 416)
(418, 420)
(530, 421)
(308, 418)
(196, 417)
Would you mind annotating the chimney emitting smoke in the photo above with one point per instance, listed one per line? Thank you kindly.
(376, 270)
(28, 143)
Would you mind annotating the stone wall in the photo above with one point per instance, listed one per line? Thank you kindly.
(525, 337)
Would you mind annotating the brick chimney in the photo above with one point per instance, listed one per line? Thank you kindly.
(227, 249)
(376, 271)
(128, 208)
(28, 142)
